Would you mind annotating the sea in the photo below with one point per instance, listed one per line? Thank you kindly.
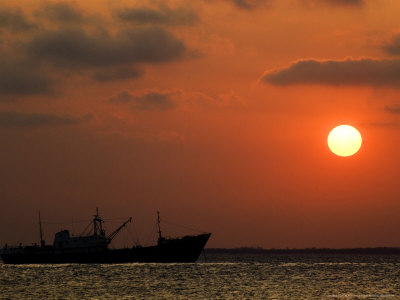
(214, 276)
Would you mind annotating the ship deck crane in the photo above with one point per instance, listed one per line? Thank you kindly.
(112, 235)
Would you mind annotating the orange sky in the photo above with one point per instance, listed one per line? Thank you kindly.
(216, 113)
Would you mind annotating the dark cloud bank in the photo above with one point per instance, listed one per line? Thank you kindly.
(22, 78)
(31, 66)
(14, 20)
(363, 72)
(61, 12)
(105, 57)
(75, 48)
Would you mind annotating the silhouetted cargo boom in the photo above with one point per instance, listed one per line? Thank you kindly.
(94, 248)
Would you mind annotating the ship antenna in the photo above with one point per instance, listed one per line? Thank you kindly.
(41, 232)
(159, 229)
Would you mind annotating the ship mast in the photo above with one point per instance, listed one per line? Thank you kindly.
(41, 232)
(159, 229)
(97, 228)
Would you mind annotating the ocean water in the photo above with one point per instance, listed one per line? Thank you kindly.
(218, 277)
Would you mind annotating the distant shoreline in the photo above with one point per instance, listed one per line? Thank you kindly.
(251, 250)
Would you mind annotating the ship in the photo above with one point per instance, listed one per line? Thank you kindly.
(94, 248)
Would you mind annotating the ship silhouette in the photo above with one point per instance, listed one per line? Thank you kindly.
(94, 248)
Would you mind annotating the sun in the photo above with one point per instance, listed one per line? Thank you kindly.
(344, 140)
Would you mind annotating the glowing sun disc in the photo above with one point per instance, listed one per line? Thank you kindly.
(344, 140)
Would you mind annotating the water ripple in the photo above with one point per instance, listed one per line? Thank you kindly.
(222, 277)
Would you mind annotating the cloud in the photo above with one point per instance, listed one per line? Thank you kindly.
(61, 12)
(30, 65)
(250, 4)
(151, 100)
(14, 20)
(337, 3)
(362, 72)
(22, 78)
(119, 73)
(10, 119)
(382, 124)
(393, 109)
(173, 98)
(74, 48)
(346, 2)
(254, 4)
(393, 47)
(161, 16)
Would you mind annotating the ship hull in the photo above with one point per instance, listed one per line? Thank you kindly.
(186, 249)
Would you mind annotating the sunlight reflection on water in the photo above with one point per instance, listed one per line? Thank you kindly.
(223, 276)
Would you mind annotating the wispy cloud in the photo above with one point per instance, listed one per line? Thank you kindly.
(393, 47)
(11, 119)
(335, 3)
(251, 4)
(117, 73)
(163, 15)
(363, 72)
(393, 109)
(151, 100)
(165, 100)
(345, 2)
